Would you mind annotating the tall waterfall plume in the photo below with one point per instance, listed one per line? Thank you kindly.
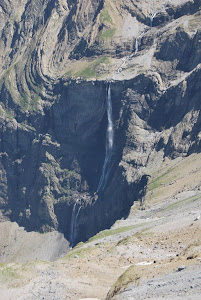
(109, 143)
(73, 227)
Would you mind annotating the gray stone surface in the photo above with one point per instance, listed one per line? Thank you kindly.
(184, 285)
(17, 245)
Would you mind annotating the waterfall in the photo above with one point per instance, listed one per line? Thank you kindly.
(152, 18)
(109, 143)
(136, 45)
(73, 227)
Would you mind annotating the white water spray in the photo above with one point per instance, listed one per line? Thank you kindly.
(109, 143)
(73, 227)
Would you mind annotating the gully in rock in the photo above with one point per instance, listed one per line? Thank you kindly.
(73, 227)
(109, 143)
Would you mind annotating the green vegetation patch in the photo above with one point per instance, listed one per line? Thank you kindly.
(2, 112)
(68, 179)
(9, 273)
(9, 115)
(128, 277)
(33, 106)
(142, 233)
(5, 113)
(80, 252)
(90, 70)
(24, 100)
(109, 232)
(165, 177)
(105, 17)
(87, 72)
(69, 73)
(107, 34)
(178, 203)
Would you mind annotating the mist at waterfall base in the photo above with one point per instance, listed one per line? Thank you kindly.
(109, 143)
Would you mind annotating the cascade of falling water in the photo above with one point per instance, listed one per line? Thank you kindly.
(109, 143)
(152, 18)
(136, 45)
(72, 223)
(73, 227)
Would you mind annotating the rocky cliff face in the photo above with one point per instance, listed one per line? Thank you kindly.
(55, 58)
